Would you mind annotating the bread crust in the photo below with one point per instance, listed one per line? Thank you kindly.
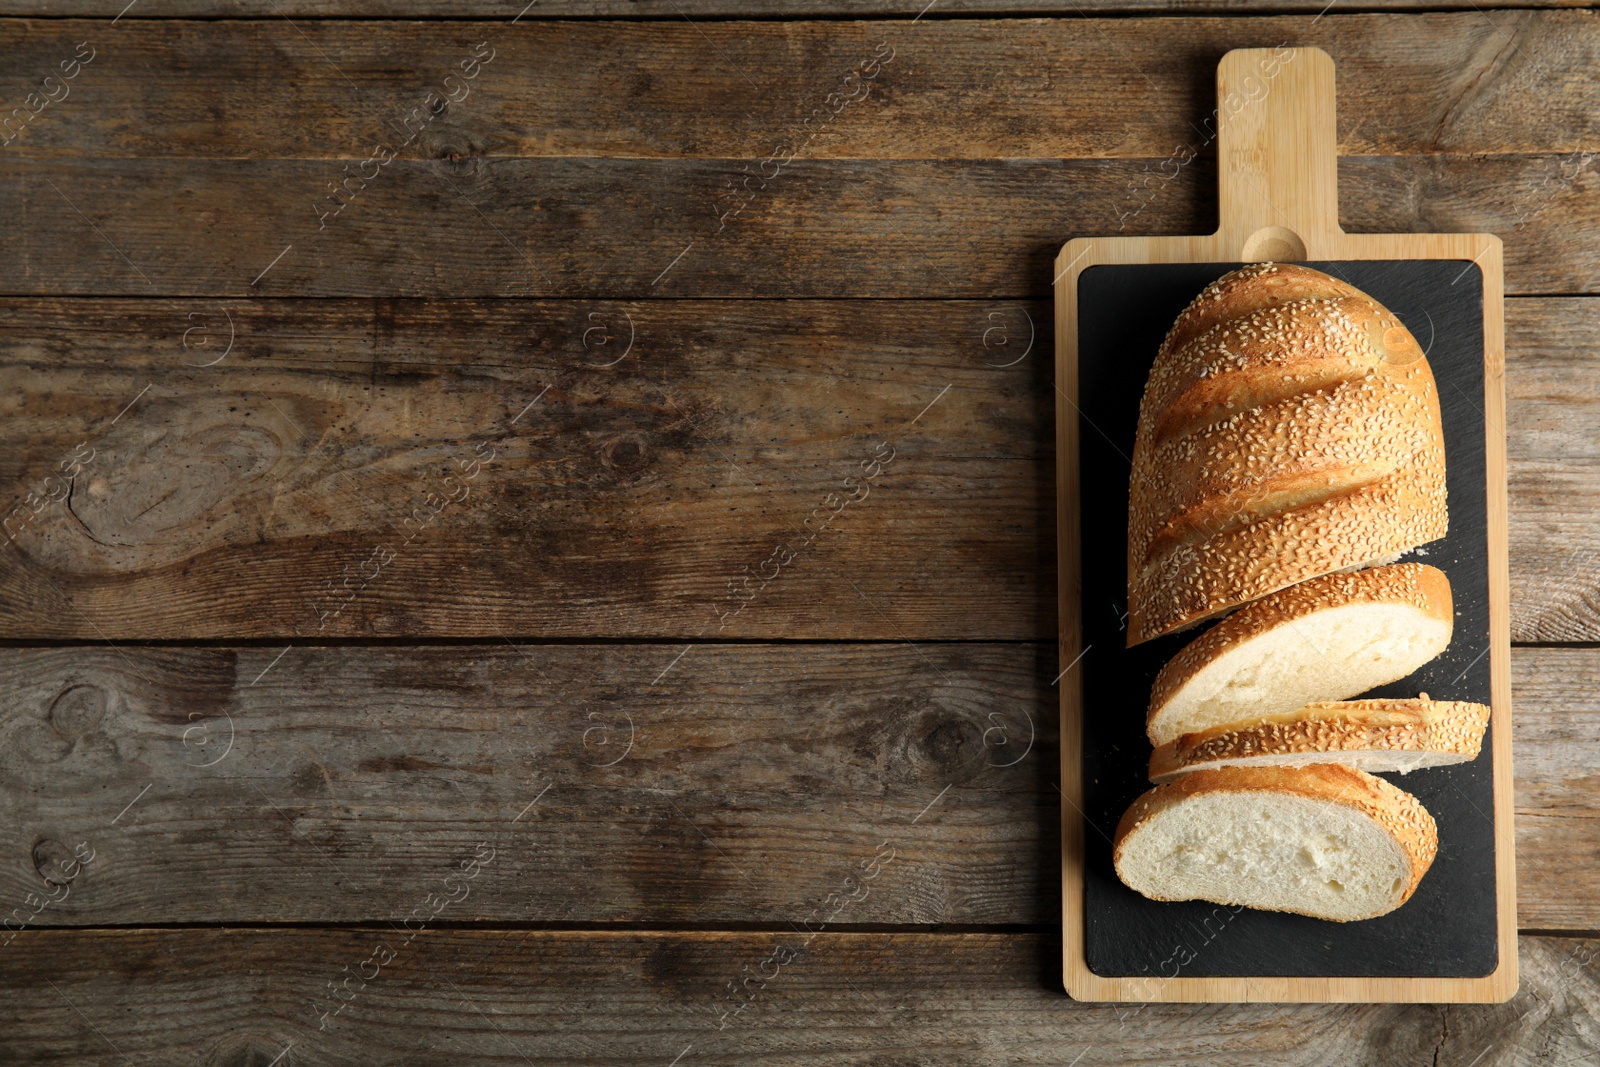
(1289, 428)
(1396, 811)
(1256, 285)
(1451, 727)
(1417, 584)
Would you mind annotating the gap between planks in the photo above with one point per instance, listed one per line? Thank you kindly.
(648, 927)
(426, 641)
(598, 927)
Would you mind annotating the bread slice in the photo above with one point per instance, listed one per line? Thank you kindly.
(1327, 841)
(1374, 735)
(1289, 428)
(1330, 638)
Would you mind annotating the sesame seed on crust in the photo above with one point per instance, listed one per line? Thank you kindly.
(1289, 428)
(1195, 580)
(1255, 285)
(1450, 729)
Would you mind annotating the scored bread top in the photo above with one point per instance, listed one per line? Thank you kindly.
(1275, 316)
(1396, 811)
(1280, 453)
(1254, 286)
(1289, 427)
(1447, 727)
(1372, 524)
(1423, 587)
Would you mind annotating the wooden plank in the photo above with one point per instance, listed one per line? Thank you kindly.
(1556, 718)
(848, 470)
(242, 997)
(1552, 388)
(314, 437)
(1552, 379)
(678, 10)
(1461, 82)
(1442, 196)
(340, 784)
(1557, 576)
(713, 783)
(629, 227)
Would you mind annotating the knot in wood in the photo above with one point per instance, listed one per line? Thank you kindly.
(77, 710)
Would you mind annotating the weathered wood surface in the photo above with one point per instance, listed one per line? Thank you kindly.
(247, 498)
(1555, 716)
(1553, 443)
(1052, 89)
(295, 488)
(619, 228)
(679, 10)
(341, 784)
(866, 470)
(239, 998)
(958, 173)
(717, 783)
(1555, 720)
(639, 227)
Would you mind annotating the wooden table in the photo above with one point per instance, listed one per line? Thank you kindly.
(560, 570)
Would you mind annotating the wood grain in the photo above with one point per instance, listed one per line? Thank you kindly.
(237, 998)
(377, 770)
(1557, 768)
(678, 10)
(855, 470)
(1552, 387)
(1552, 379)
(340, 784)
(1561, 588)
(1458, 82)
(618, 783)
(256, 481)
(650, 228)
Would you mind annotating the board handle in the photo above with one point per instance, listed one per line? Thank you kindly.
(1277, 153)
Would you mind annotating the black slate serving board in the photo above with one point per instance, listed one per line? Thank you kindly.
(1448, 928)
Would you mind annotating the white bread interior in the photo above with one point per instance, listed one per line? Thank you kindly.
(1329, 639)
(1335, 654)
(1268, 852)
(1305, 850)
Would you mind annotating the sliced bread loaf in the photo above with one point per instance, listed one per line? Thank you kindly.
(1327, 841)
(1289, 428)
(1330, 638)
(1374, 735)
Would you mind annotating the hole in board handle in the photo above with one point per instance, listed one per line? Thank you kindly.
(1278, 244)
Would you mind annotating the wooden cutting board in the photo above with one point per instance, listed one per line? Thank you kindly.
(1455, 940)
